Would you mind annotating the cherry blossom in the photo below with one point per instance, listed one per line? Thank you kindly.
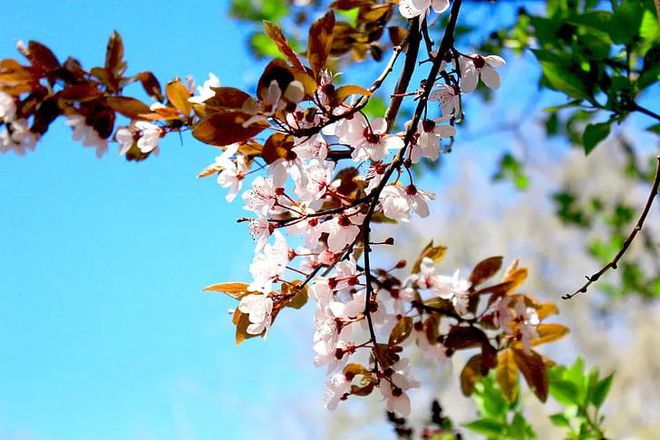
(414, 8)
(475, 66)
(336, 388)
(262, 197)
(370, 141)
(527, 319)
(88, 135)
(259, 309)
(399, 203)
(232, 172)
(17, 137)
(449, 98)
(394, 388)
(269, 264)
(453, 288)
(342, 230)
(427, 140)
(205, 91)
(7, 107)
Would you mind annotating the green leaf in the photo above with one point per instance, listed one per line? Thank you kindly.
(564, 392)
(375, 108)
(485, 427)
(601, 390)
(562, 79)
(594, 134)
(627, 21)
(560, 420)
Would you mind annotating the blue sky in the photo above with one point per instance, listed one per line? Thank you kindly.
(104, 331)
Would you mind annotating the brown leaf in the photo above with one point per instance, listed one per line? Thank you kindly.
(129, 107)
(471, 374)
(226, 99)
(533, 369)
(320, 41)
(298, 296)
(401, 331)
(435, 253)
(78, 92)
(114, 56)
(150, 84)
(236, 290)
(344, 92)
(464, 337)
(397, 34)
(506, 374)
(549, 332)
(41, 56)
(277, 146)
(277, 70)
(274, 32)
(484, 270)
(226, 128)
(178, 94)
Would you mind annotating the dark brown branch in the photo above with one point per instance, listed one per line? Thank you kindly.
(626, 244)
(638, 108)
(445, 45)
(414, 39)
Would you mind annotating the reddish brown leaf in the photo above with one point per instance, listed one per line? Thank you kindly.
(79, 92)
(533, 369)
(277, 70)
(464, 337)
(226, 128)
(320, 41)
(114, 56)
(471, 374)
(274, 32)
(484, 270)
(41, 56)
(227, 99)
(129, 107)
(150, 84)
(278, 145)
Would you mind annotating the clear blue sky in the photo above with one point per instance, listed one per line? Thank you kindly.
(104, 331)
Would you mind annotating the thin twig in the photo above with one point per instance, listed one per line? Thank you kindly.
(626, 244)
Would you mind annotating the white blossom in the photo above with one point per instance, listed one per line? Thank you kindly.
(205, 91)
(259, 309)
(88, 135)
(475, 66)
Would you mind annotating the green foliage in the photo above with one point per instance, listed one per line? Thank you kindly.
(510, 168)
(580, 393)
(499, 419)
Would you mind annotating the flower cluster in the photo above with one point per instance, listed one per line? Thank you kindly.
(316, 173)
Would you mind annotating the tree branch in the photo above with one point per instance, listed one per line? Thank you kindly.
(626, 244)
(445, 45)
